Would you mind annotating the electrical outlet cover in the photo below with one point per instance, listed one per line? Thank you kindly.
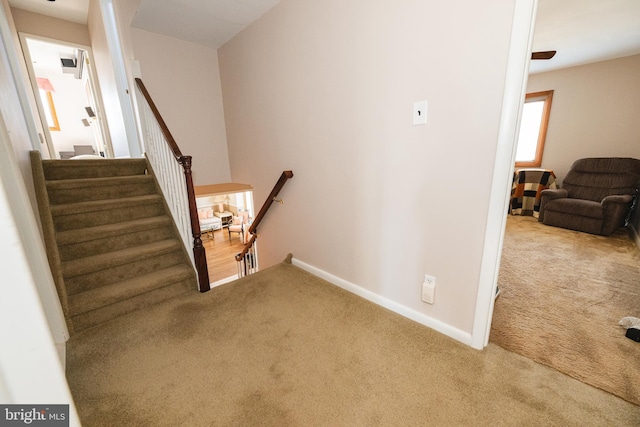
(428, 292)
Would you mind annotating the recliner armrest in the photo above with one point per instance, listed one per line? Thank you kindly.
(554, 193)
(550, 194)
(616, 209)
(621, 199)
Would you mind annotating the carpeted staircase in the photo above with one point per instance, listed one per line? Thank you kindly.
(111, 242)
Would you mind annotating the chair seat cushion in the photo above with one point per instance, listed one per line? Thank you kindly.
(579, 207)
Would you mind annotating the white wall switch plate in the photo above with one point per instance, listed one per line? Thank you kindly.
(420, 113)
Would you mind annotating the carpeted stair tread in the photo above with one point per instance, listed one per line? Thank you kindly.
(70, 169)
(103, 277)
(125, 239)
(90, 264)
(110, 230)
(138, 302)
(65, 184)
(119, 291)
(100, 205)
(65, 191)
(112, 243)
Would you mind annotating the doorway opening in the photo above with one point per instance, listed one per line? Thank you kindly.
(225, 213)
(67, 98)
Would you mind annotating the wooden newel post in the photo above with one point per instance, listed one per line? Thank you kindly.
(198, 250)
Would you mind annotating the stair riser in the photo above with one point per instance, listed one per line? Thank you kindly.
(108, 216)
(56, 169)
(107, 295)
(114, 243)
(96, 279)
(104, 314)
(87, 194)
(111, 267)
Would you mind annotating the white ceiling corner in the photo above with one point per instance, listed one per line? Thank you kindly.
(69, 10)
(206, 22)
(585, 31)
(581, 31)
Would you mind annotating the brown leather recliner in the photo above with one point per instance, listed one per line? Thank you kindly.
(596, 195)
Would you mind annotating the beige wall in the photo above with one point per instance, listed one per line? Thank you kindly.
(184, 81)
(595, 112)
(326, 89)
(46, 26)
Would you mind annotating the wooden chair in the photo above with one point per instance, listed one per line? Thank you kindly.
(239, 224)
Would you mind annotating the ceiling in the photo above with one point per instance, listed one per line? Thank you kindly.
(209, 23)
(69, 10)
(46, 56)
(582, 31)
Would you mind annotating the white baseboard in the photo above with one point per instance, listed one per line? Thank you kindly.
(223, 281)
(400, 309)
(61, 348)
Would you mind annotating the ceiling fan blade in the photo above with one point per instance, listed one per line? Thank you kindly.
(543, 55)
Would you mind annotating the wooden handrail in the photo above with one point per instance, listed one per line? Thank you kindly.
(270, 199)
(199, 255)
(247, 247)
(286, 175)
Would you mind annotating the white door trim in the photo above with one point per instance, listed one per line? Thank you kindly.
(104, 127)
(116, 52)
(6, 38)
(513, 100)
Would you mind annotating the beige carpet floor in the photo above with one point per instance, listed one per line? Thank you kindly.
(284, 348)
(562, 295)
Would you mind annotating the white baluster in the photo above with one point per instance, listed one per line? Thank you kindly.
(169, 172)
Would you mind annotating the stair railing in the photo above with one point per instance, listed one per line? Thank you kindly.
(173, 172)
(247, 262)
